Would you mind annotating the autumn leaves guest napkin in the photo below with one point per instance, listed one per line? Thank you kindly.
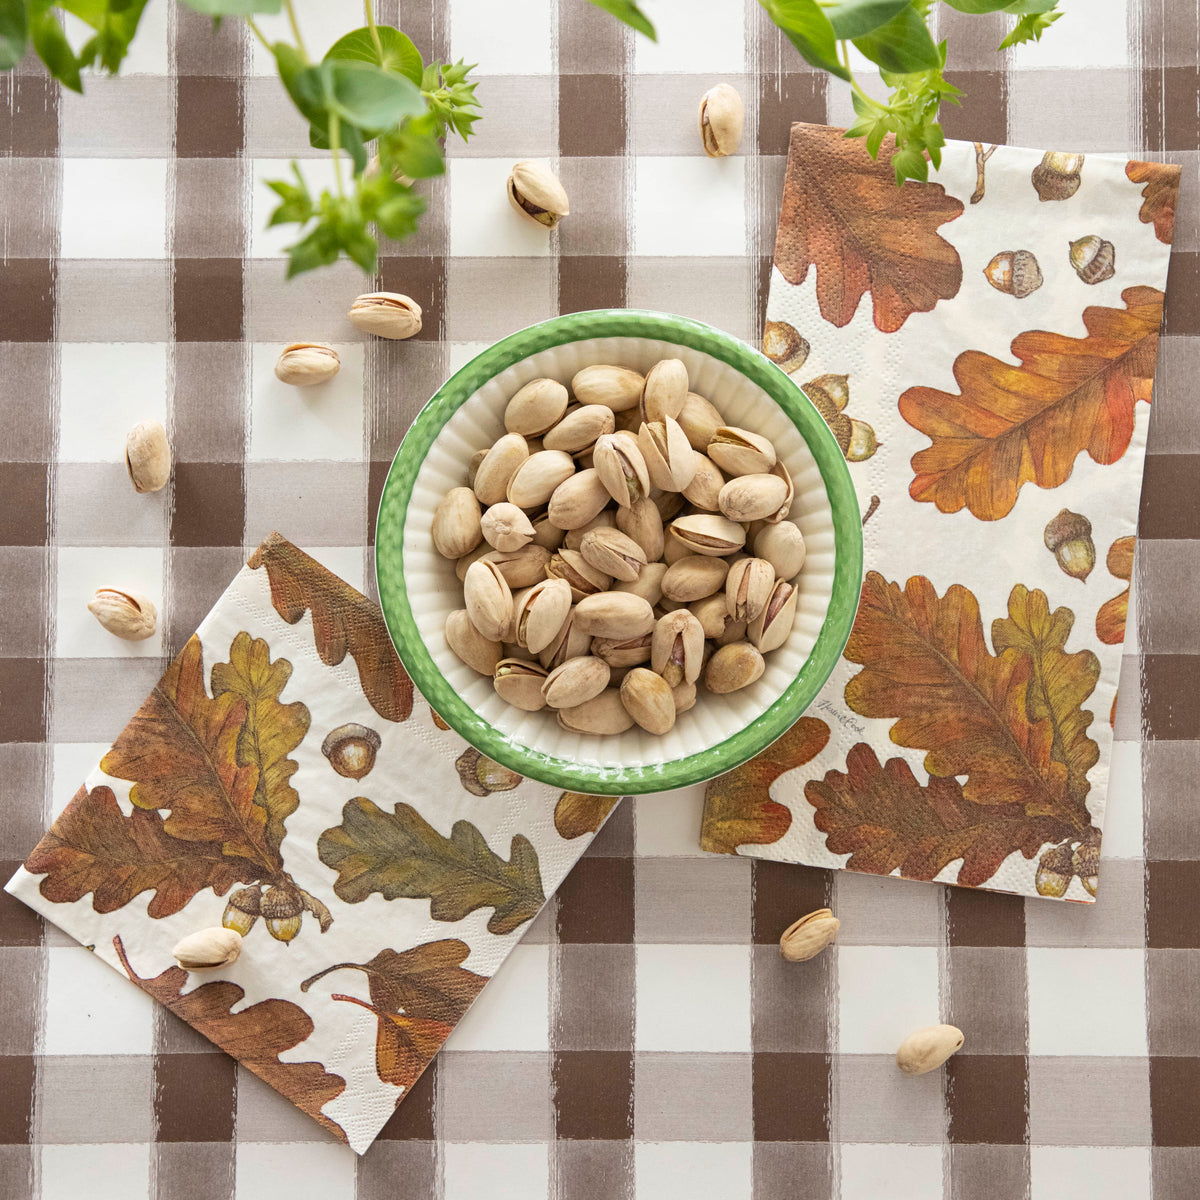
(983, 347)
(284, 779)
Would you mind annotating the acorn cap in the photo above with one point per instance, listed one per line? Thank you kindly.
(1066, 527)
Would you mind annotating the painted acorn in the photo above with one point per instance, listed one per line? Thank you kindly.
(1085, 862)
(1069, 538)
(1093, 258)
(242, 910)
(1056, 177)
(281, 910)
(830, 394)
(784, 345)
(481, 776)
(351, 749)
(1015, 272)
(1054, 872)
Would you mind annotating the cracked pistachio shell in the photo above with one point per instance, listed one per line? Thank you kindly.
(789, 492)
(499, 465)
(611, 551)
(670, 460)
(386, 315)
(733, 667)
(747, 498)
(536, 408)
(621, 467)
(782, 545)
(603, 714)
(708, 533)
(665, 390)
(623, 653)
(576, 681)
(699, 420)
(519, 683)
(305, 364)
(648, 584)
(457, 528)
(505, 526)
(124, 614)
(748, 588)
(643, 522)
(648, 700)
(705, 489)
(711, 612)
(579, 428)
(148, 456)
(208, 948)
(534, 481)
(540, 613)
(573, 538)
(926, 1049)
(584, 579)
(677, 648)
(568, 643)
(693, 577)
(721, 118)
(770, 629)
(479, 653)
(740, 452)
(614, 615)
(579, 499)
(617, 388)
(545, 533)
(535, 192)
(807, 937)
(520, 568)
(489, 600)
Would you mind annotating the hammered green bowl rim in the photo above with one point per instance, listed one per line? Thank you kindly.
(566, 773)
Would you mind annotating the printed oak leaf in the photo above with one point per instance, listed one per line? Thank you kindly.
(1059, 682)
(1012, 425)
(401, 856)
(1159, 196)
(1110, 620)
(417, 997)
(738, 809)
(343, 620)
(576, 813)
(256, 1036)
(886, 821)
(94, 847)
(844, 215)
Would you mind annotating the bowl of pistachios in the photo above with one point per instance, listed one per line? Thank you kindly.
(619, 552)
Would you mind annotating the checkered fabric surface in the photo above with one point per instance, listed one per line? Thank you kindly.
(645, 1039)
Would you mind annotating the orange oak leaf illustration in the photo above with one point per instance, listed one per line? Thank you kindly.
(738, 809)
(343, 621)
(576, 814)
(1159, 196)
(927, 667)
(417, 997)
(886, 821)
(844, 215)
(94, 847)
(1110, 620)
(1013, 425)
(256, 1036)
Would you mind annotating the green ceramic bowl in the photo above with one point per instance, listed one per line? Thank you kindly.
(418, 589)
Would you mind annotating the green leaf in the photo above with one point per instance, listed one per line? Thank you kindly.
(115, 23)
(297, 203)
(853, 18)
(399, 54)
(234, 8)
(1017, 7)
(1029, 29)
(628, 11)
(399, 855)
(808, 29)
(903, 45)
(14, 33)
(303, 83)
(368, 96)
(413, 152)
(397, 217)
(55, 51)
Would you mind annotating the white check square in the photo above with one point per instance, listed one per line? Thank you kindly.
(866, 1024)
(504, 39)
(105, 390)
(295, 1171)
(90, 1009)
(693, 998)
(114, 208)
(512, 1012)
(1087, 1001)
(689, 206)
(137, 570)
(711, 41)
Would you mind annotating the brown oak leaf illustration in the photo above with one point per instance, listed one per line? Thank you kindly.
(256, 1036)
(738, 809)
(886, 821)
(417, 997)
(400, 855)
(1012, 425)
(1159, 196)
(343, 619)
(1110, 620)
(844, 215)
(576, 813)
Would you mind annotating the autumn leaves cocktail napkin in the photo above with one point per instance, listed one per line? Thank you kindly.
(284, 779)
(983, 347)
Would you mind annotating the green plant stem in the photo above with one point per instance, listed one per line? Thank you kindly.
(335, 146)
(369, 9)
(291, 16)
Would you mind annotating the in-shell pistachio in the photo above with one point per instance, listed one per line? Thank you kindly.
(573, 538)
(148, 456)
(665, 390)
(733, 667)
(748, 588)
(519, 683)
(539, 614)
(125, 614)
(498, 467)
(711, 611)
(699, 420)
(488, 599)
(693, 577)
(536, 193)
(578, 500)
(208, 949)
(585, 580)
(748, 498)
(568, 643)
(520, 568)
(771, 628)
(614, 553)
(305, 364)
(576, 682)
(603, 714)
(926, 1049)
(617, 388)
(386, 315)
(536, 408)
(648, 584)
(721, 117)
(807, 937)
(621, 467)
(705, 489)
(481, 654)
(643, 522)
(456, 523)
(648, 700)
(579, 428)
(534, 481)
(670, 460)
(505, 526)
(677, 648)
(614, 615)
(621, 653)
(782, 545)
(740, 452)
(708, 533)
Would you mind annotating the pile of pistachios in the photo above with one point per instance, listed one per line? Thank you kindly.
(620, 548)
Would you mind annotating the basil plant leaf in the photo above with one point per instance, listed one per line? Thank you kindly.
(806, 26)
(399, 55)
(902, 46)
(854, 18)
(368, 96)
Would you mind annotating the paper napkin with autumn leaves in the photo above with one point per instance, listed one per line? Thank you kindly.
(284, 780)
(983, 347)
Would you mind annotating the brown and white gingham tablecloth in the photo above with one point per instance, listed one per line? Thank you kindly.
(645, 1039)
